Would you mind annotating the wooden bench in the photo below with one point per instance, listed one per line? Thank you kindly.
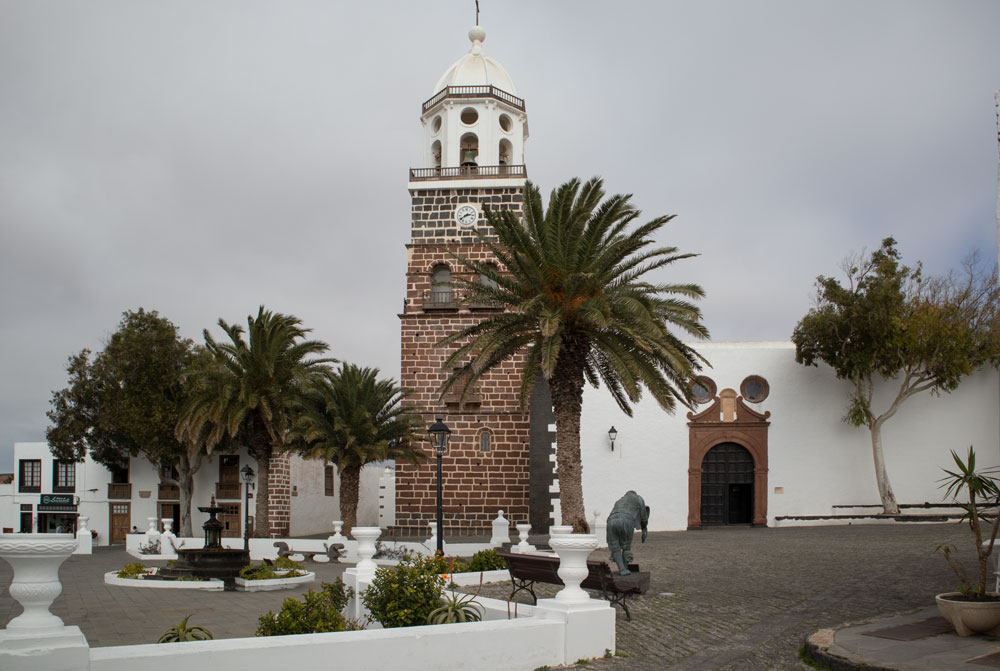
(333, 551)
(527, 569)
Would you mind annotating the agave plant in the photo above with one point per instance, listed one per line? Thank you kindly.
(456, 608)
(982, 490)
(182, 632)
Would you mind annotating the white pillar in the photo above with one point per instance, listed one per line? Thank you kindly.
(599, 528)
(590, 623)
(37, 639)
(501, 530)
(432, 541)
(84, 539)
(360, 577)
(524, 546)
(167, 538)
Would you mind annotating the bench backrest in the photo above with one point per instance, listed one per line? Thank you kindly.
(532, 567)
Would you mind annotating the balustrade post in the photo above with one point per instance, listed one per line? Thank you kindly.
(37, 639)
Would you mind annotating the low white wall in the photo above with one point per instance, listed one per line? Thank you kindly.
(522, 644)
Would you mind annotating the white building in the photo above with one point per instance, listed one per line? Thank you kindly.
(48, 495)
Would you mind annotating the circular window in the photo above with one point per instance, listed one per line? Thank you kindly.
(703, 389)
(754, 389)
(469, 116)
(505, 123)
(436, 126)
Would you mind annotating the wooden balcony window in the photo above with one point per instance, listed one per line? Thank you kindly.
(168, 492)
(119, 490)
(227, 490)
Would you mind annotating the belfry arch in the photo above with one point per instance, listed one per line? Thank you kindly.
(730, 425)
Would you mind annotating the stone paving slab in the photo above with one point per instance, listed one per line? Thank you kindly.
(736, 598)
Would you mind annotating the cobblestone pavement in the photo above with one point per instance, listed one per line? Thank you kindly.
(730, 598)
(743, 599)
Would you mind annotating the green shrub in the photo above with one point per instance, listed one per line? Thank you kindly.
(259, 572)
(132, 571)
(317, 612)
(182, 632)
(406, 594)
(486, 560)
(284, 563)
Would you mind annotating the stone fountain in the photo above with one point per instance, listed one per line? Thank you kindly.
(211, 561)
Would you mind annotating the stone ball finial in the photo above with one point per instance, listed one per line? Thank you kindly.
(477, 34)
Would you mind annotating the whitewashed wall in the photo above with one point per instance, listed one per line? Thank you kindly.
(817, 460)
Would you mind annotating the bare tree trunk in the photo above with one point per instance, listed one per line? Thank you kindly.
(567, 401)
(185, 482)
(889, 505)
(350, 492)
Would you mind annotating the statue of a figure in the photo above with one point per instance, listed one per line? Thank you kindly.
(630, 513)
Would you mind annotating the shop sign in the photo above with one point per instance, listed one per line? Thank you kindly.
(57, 499)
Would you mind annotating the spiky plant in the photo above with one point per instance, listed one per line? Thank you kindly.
(182, 632)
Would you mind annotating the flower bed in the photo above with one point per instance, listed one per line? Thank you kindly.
(209, 584)
(271, 584)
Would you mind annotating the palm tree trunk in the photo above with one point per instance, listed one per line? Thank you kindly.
(567, 401)
(889, 505)
(350, 492)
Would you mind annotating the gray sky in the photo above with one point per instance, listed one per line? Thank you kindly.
(203, 157)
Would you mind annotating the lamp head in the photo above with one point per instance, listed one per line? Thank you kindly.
(439, 433)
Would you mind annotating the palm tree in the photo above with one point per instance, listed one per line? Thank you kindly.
(578, 307)
(351, 418)
(251, 395)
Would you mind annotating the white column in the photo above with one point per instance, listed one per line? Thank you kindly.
(360, 577)
(37, 639)
(599, 527)
(501, 530)
(84, 539)
(167, 538)
(524, 546)
(590, 623)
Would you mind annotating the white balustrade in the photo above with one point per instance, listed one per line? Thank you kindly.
(573, 550)
(524, 546)
(36, 559)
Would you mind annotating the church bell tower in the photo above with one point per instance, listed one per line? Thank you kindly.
(475, 127)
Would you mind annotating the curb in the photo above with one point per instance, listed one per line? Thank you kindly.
(817, 646)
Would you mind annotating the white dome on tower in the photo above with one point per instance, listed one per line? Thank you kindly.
(476, 68)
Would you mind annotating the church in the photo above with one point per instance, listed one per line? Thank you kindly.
(764, 446)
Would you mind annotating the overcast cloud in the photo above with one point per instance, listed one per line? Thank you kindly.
(201, 158)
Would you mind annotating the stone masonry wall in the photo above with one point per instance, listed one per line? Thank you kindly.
(280, 495)
(476, 483)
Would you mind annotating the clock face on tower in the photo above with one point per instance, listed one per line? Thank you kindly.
(466, 215)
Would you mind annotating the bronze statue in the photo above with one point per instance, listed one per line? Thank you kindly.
(630, 513)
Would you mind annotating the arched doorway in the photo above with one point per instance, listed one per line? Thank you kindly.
(727, 475)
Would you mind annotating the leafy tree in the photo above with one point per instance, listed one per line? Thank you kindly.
(891, 325)
(125, 402)
(579, 307)
(251, 393)
(351, 418)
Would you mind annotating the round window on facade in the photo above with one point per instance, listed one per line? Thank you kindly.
(703, 389)
(505, 123)
(469, 116)
(754, 389)
(436, 125)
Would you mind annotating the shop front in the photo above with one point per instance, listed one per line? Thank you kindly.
(57, 514)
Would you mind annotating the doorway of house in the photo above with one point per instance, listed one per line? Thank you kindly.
(727, 485)
(121, 518)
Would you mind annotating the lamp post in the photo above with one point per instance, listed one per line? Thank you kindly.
(439, 433)
(247, 474)
(612, 434)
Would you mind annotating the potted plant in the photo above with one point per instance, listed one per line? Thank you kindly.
(972, 610)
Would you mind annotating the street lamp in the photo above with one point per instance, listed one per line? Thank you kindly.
(247, 474)
(439, 433)
(612, 434)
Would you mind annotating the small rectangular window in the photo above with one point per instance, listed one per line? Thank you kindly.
(328, 480)
(484, 441)
(30, 479)
(64, 476)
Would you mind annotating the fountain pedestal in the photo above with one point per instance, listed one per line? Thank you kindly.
(211, 561)
(36, 638)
